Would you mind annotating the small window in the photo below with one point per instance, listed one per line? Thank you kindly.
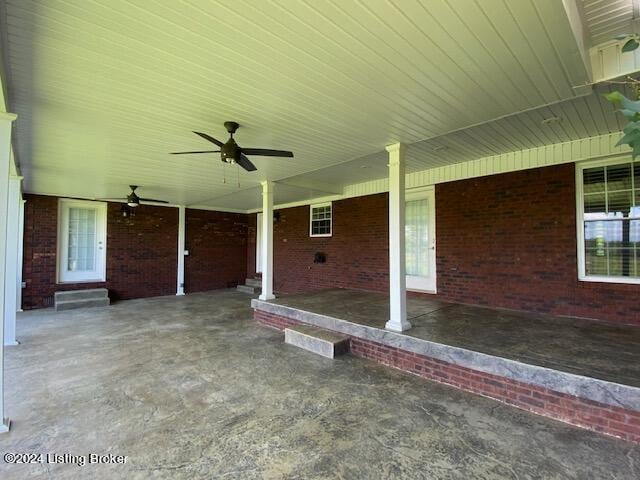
(320, 225)
(82, 228)
(609, 221)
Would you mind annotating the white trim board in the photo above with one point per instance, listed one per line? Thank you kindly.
(590, 148)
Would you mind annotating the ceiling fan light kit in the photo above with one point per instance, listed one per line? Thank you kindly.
(133, 200)
(232, 153)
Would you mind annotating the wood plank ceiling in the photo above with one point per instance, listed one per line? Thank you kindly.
(104, 90)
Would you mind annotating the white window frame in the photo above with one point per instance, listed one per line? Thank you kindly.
(582, 275)
(62, 274)
(318, 205)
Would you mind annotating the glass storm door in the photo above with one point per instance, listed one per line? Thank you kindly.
(420, 244)
(82, 241)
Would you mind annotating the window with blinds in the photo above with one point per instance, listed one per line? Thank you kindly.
(82, 245)
(609, 214)
(417, 237)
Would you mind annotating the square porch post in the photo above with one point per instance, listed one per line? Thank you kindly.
(397, 270)
(12, 259)
(181, 246)
(6, 120)
(267, 241)
(20, 255)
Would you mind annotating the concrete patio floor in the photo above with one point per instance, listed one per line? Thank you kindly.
(190, 387)
(583, 347)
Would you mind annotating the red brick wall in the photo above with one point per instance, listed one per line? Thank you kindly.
(141, 252)
(510, 241)
(503, 241)
(356, 254)
(217, 244)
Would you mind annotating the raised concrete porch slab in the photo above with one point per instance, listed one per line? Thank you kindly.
(504, 351)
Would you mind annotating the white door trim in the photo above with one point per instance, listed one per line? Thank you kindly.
(425, 284)
(99, 272)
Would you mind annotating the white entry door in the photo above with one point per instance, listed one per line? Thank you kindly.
(420, 240)
(82, 241)
(259, 244)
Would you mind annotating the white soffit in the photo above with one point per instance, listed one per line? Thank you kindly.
(104, 90)
(604, 19)
(575, 119)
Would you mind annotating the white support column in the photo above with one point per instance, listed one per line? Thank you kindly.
(20, 256)
(267, 241)
(181, 239)
(12, 259)
(397, 270)
(5, 153)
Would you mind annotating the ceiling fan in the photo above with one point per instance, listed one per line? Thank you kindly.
(133, 200)
(231, 152)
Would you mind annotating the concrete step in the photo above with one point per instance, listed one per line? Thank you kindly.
(248, 289)
(90, 294)
(253, 282)
(85, 303)
(316, 340)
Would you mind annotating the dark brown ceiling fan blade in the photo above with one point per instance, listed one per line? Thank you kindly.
(265, 152)
(152, 200)
(201, 151)
(245, 163)
(210, 138)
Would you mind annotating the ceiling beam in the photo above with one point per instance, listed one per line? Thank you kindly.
(575, 18)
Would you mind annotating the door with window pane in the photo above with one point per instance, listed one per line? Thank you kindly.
(81, 241)
(420, 250)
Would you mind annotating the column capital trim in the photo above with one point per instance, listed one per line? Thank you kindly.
(395, 147)
(8, 116)
(267, 186)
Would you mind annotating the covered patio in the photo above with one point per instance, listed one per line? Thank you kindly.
(191, 387)
(449, 188)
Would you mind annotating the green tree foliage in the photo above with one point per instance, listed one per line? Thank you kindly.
(629, 108)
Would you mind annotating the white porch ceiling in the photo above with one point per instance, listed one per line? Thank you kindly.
(582, 117)
(104, 90)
